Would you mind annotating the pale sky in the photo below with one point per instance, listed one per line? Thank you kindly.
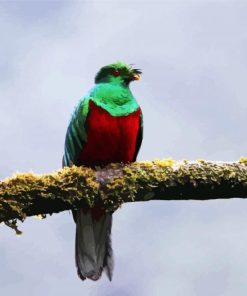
(193, 55)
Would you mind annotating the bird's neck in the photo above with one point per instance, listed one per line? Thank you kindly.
(115, 98)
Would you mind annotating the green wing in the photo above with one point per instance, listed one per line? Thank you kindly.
(76, 134)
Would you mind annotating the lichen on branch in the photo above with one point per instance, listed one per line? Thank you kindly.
(29, 194)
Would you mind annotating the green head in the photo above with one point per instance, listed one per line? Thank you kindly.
(118, 72)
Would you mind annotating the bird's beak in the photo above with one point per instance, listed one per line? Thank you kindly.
(136, 76)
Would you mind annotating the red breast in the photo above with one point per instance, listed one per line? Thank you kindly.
(109, 138)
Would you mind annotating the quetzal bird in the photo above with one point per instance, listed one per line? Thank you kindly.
(106, 127)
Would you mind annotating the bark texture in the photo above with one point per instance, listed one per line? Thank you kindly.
(29, 194)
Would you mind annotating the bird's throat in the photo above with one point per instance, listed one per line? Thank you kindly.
(116, 99)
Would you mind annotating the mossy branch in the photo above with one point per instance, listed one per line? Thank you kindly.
(29, 194)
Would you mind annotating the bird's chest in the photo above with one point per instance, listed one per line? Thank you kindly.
(109, 138)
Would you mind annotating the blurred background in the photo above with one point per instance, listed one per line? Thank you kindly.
(193, 55)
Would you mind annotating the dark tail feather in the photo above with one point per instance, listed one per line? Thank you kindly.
(93, 252)
(108, 260)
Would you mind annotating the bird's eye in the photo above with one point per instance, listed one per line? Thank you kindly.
(116, 73)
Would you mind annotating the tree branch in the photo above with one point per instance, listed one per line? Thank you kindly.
(29, 194)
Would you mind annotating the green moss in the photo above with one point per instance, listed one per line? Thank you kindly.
(30, 194)
(243, 160)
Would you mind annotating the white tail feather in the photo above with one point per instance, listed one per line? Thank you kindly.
(93, 245)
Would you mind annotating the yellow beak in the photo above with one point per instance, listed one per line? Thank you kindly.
(136, 77)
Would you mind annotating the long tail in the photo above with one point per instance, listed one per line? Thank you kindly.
(93, 251)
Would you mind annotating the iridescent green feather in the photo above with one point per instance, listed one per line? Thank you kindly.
(110, 93)
(76, 134)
